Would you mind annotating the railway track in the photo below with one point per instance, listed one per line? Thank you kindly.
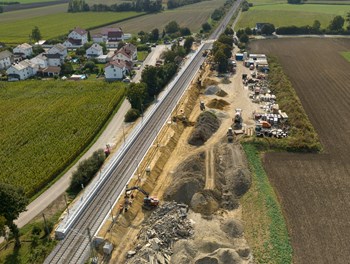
(75, 247)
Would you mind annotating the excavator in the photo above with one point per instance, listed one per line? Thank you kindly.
(149, 203)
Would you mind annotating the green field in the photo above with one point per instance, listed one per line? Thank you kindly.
(46, 124)
(285, 14)
(346, 55)
(191, 16)
(15, 29)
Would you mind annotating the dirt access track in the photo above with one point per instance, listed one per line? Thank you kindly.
(314, 189)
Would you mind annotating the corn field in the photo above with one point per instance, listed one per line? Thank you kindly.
(44, 126)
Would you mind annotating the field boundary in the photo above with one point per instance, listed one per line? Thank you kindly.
(266, 228)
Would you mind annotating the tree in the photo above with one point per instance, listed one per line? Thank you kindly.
(221, 60)
(185, 31)
(336, 23)
(348, 20)
(36, 35)
(217, 14)
(188, 44)
(229, 31)
(136, 94)
(154, 34)
(267, 29)
(226, 40)
(206, 27)
(89, 36)
(150, 77)
(1, 9)
(2, 225)
(245, 6)
(248, 31)
(12, 203)
(172, 27)
(67, 68)
(316, 25)
(244, 38)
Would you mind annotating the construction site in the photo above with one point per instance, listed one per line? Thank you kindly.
(183, 203)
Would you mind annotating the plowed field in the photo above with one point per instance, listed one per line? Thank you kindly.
(314, 189)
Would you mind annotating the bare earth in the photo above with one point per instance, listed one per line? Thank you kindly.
(314, 189)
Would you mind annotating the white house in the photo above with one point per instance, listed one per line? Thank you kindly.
(21, 71)
(5, 59)
(122, 55)
(41, 61)
(116, 70)
(72, 43)
(94, 51)
(79, 34)
(127, 53)
(24, 50)
(60, 49)
(130, 49)
(54, 60)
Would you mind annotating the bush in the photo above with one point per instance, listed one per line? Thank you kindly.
(132, 115)
(36, 230)
(86, 171)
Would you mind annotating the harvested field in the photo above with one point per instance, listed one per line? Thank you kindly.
(314, 189)
(191, 16)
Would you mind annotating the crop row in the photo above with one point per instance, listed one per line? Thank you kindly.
(45, 125)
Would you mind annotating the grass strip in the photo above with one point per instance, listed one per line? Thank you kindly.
(346, 55)
(265, 227)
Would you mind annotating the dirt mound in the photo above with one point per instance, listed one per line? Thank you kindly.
(188, 179)
(242, 182)
(207, 260)
(204, 202)
(212, 89)
(207, 124)
(221, 93)
(217, 104)
(233, 228)
(228, 255)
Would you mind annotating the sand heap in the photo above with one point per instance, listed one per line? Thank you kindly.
(207, 124)
(217, 104)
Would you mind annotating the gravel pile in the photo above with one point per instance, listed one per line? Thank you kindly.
(166, 225)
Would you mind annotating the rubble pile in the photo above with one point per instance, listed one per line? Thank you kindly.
(166, 225)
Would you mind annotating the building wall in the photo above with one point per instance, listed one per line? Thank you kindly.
(114, 73)
(5, 63)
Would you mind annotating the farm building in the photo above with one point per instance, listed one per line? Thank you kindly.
(94, 51)
(21, 71)
(6, 59)
(24, 50)
(116, 70)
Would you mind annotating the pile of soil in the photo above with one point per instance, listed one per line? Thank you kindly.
(217, 104)
(221, 93)
(207, 124)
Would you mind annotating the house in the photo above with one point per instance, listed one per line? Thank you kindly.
(79, 34)
(51, 71)
(60, 49)
(72, 43)
(102, 59)
(94, 51)
(24, 50)
(112, 44)
(108, 35)
(21, 71)
(127, 53)
(5, 59)
(54, 59)
(116, 70)
(41, 61)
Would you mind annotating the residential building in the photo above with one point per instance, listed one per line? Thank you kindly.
(94, 51)
(54, 60)
(117, 70)
(80, 35)
(51, 71)
(60, 49)
(72, 43)
(21, 71)
(24, 50)
(5, 59)
(41, 61)
(108, 35)
(127, 53)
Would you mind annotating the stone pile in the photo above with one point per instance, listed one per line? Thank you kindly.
(161, 230)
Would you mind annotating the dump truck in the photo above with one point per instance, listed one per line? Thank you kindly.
(229, 135)
(238, 120)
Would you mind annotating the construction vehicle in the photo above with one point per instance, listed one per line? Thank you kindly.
(202, 106)
(149, 203)
(238, 120)
(229, 135)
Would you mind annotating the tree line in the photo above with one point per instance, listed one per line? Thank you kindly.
(171, 4)
(138, 6)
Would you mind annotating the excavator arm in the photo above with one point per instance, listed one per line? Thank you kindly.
(136, 188)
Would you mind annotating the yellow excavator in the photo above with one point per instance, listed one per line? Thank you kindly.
(149, 203)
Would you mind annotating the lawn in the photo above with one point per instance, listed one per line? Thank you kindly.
(346, 55)
(56, 24)
(46, 124)
(141, 55)
(285, 14)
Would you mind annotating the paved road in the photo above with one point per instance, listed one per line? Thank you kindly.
(75, 247)
(111, 134)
